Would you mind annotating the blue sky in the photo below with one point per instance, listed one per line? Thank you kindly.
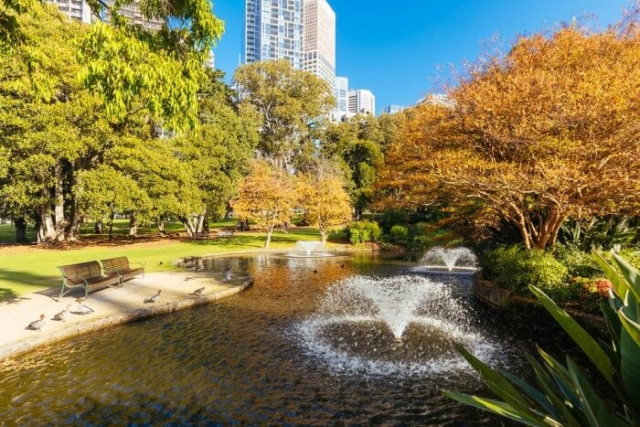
(402, 49)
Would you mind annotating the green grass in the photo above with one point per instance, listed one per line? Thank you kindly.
(25, 270)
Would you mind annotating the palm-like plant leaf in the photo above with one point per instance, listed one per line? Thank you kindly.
(586, 342)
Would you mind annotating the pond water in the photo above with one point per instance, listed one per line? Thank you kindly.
(285, 351)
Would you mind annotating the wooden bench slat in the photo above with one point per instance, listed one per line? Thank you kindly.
(122, 266)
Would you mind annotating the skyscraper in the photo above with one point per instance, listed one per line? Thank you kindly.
(319, 44)
(273, 29)
(362, 101)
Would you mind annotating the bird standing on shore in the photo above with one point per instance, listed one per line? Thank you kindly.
(37, 324)
(154, 298)
(198, 292)
(63, 314)
(227, 273)
(83, 309)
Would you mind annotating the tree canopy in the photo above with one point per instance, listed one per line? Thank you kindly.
(289, 103)
(549, 132)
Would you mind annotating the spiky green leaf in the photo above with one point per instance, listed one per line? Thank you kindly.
(580, 336)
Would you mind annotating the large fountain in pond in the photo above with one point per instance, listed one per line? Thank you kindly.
(449, 260)
(402, 325)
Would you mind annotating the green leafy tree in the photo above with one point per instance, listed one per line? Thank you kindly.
(47, 140)
(289, 102)
(357, 144)
(218, 152)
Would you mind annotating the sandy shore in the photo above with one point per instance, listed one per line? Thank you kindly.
(111, 306)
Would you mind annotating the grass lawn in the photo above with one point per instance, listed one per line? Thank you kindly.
(30, 268)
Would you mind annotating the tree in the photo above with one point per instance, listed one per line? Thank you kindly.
(46, 140)
(219, 151)
(131, 67)
(356, 144)
(266, 197)
(548, 132)
(324, 199)
(289, 102)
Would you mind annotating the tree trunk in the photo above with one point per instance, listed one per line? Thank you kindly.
(188, 226)
(58, 200)
(266, 242)
(21, 230)
(133, 225)
(324, 234)
(45, 226)
(199, 223)
(112, 217)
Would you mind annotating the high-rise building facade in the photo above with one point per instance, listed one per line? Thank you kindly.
(79, 10)
(273, 29)
(392, 109)
(319, 43)
(362, 101)
(341, 92)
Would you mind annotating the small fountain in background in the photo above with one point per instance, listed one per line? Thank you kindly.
(307, 249)
(401, 325)
(459, 258)
(308, 245)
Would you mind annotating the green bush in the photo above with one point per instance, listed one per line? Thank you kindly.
(363, 232)
(516, 268)
(578, 263)
(399, 234)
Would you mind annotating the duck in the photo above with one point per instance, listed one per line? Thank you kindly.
(37, 324)
(63, 314)
(198, 292)
(83, 309)
(154, 298)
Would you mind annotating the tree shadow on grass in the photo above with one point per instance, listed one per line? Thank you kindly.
(23, 280)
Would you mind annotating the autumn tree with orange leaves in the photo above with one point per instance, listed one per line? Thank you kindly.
(323, 196)
(266, 197)
(550, 131)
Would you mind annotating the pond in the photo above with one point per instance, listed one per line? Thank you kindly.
(307, 344)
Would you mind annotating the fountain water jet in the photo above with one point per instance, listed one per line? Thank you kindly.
(307, 245)
(452, 258)
(401, 325)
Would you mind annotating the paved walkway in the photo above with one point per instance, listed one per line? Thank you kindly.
(111, 306)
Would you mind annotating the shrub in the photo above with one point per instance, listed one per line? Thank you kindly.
(363, 232)
(399, 234)
(578, 263)
(515, 268)
(592, 292)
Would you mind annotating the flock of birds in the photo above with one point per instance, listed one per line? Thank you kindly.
(82, 309)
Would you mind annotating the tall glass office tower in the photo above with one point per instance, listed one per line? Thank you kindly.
(273, 30)
(319, 44)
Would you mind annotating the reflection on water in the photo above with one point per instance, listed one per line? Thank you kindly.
(241, 361)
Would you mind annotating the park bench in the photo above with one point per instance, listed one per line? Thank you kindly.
(122, 267)
(87, 275)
